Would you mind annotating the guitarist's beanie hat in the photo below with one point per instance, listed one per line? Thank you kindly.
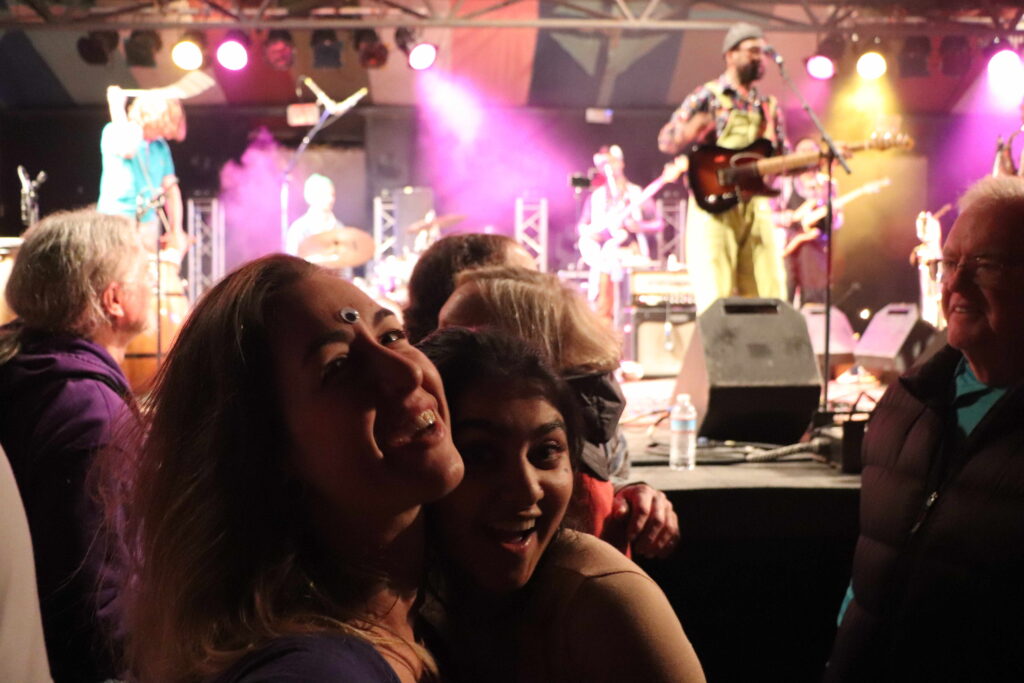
(738, 33)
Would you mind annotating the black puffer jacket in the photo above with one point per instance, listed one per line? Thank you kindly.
(938, 575)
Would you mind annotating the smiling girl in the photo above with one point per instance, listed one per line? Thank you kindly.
(523, 598)
(272, 517)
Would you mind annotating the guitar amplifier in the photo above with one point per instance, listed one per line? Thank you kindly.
(659, 287)
(660, 336)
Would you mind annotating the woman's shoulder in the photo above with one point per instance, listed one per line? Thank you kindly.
(327, 657)
(589, 557)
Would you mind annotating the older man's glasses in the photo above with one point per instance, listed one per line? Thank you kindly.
(983, 271)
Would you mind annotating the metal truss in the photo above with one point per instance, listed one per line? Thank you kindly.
(878, 17)
(206, 253)
(531, 229)
(670, 240)
(385, 227)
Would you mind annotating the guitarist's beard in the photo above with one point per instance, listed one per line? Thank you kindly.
(750, 72)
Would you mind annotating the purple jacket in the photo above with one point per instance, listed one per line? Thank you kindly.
(60, 398)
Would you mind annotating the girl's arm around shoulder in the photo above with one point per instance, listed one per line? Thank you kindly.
(622, 628)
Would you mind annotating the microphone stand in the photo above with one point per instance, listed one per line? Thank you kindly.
(832, 154)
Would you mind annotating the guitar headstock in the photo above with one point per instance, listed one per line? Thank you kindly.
(675, 168)
(889, 140)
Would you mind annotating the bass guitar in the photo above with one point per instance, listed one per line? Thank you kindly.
(810, 212)
(720, 177)
(596, 251)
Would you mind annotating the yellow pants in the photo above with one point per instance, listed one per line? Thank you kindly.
(733, 253)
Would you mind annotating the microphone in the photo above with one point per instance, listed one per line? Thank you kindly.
(352, 100)
(40, 178)
(23, 177)
(773, 54)
(334, 108)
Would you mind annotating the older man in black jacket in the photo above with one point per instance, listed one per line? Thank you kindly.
(938, 575)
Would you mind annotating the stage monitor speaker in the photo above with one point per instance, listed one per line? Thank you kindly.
(893, 340)
(750, 371)
(841, 339)
(661, 335)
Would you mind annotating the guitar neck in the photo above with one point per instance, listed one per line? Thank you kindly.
(792, 162)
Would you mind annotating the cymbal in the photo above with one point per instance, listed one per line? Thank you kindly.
(338, 248)
(439, 222)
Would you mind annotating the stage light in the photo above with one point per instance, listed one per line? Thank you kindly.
(233, 51)
(871, 65)
(956, 55)
(326, 49)
(140, 48)
(913, 57)
(279, 49)
(1006, 78)
(823, 64)
(420, 55)
(189, 53)
(820, 67)
(373, 53)
(97, 46)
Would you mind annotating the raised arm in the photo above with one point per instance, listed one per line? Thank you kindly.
(122, 138)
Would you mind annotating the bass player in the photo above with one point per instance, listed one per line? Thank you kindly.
(732, 252)
(612, 229)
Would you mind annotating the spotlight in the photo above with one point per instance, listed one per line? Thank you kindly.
(956, 55)
(419, 54)
(822, 64)
(140, 48)
(1006, 76)
(189, 53)
(97, 46)
(871, 64)
(373, 54)
(326, 49)
(279, 49)
(913, 57)
(820, 67)
(233, 51)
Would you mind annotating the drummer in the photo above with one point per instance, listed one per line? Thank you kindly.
(319, 217)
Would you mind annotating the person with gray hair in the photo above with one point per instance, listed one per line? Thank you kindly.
(732, 252)
(82, 290)
(936, 591)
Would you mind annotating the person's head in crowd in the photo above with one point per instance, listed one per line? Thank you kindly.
(535, 306)
(158, 116)
(293, 436)
(983, 279)
(516, 425)
(80, 273)
(318, 191)
(433, 277)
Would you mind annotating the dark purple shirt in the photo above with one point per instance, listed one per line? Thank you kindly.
(60, 397)
(318, 658)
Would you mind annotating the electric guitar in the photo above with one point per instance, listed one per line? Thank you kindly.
(809, 213)
(720, 177)
(596, 251)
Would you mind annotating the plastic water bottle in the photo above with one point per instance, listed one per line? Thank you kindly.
(682, 451)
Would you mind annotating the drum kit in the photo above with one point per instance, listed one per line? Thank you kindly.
(348, 247)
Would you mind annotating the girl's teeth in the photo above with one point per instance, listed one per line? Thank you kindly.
(426, 419)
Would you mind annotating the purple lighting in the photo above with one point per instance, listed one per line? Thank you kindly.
(1006, 78)
(232, 55)
(422, 56)
(821, 67)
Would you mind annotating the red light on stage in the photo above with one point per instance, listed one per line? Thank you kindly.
(820, 67)
(233, 52)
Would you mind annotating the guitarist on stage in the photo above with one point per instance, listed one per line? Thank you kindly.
(613, 224)
(732, 252)
(804, 254)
